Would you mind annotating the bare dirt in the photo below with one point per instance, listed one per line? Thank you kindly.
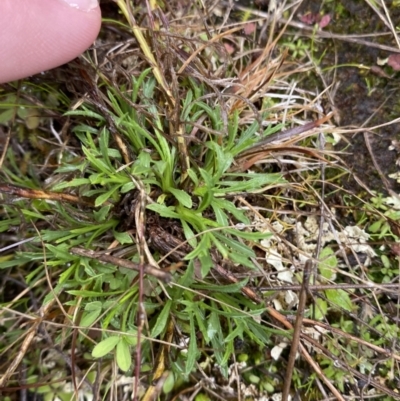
(364, 97)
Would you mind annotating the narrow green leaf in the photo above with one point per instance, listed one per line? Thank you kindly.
(215, 331)
(339, 298)
(60, 252)
(255, 236)
(93, 306)
(93, 227)
(319, 309)
(187, 106)
(163, 211)
(127, 187)
(189, 234)
(123, 238)
(29, 213)
(193, 176)
(105, 197)
(246, 139)
(161, 320)
(235, 245)
(208, 178)
(237, 332)
(200, 318)
(230, 288)
(102, 214)
(85, 113)
(201, 249)
(123, 355)
(103, 142)
(96, 161)
(187, 279)
(192, 350)
(254, 182)
(206, 263)
(183, 197)
(232, 129)
(6, 116)
(137, 83)
(132, 338)
(95, 178)
(212, 113)
(114, 153)
(82, 129)
(169, 383)
(230, 207)
(76, 182)
(241, 259)
(220, 215)
(207, 197)
(328, 263)
(88, 318)
(222, 159)
(86, 293)
(258, 332)
(104, 347)
(229, 350)
(222, 248)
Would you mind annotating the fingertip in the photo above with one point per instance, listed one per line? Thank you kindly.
(84, 5)
(43, 35)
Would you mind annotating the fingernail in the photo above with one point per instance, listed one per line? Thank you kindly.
(84, 5)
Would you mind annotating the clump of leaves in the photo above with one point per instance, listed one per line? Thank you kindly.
(134, 244)
(124, 193)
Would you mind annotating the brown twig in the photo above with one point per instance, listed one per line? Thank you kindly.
(297, 330)
(382, 176)
(39, 194)
(350, 337)
(367, 379)
(245, 162)
(140, 222)
(390, 288)
(29, 336)
(127, 264)
(69, 360)
(285, 135)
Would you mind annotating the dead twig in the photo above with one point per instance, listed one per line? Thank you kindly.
(286, 135)
(343, 334)
(338, 363)
(30, 335)
(140, 222)
(39, 194)
(297, 330)
(389, 288)
(127, 264)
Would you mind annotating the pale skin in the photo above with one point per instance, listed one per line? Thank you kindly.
(38, 35)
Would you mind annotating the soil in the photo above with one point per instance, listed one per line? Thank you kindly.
(363, 98)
